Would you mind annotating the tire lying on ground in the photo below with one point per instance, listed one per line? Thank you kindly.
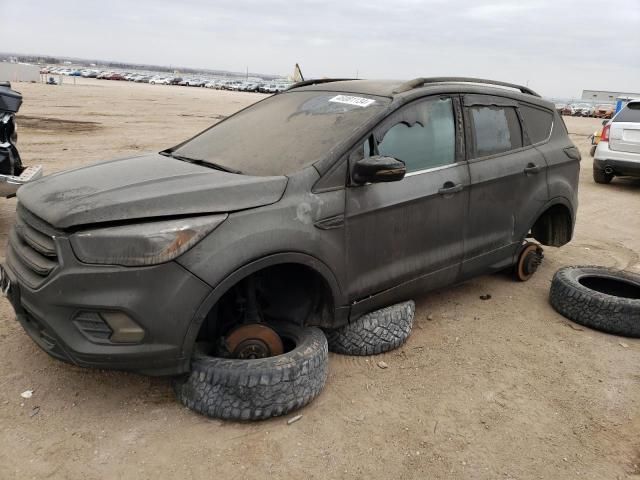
(375, 332)
(237, 389)
(597, 297)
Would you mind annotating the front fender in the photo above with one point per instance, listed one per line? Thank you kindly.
(341, 312)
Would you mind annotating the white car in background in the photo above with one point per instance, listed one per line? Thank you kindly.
(618, 152)
(583, 110)
(160, 81)
(268, 88)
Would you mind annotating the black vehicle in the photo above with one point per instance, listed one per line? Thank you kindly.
(12, 173)
(313, 207)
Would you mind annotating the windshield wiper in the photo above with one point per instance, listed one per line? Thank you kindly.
(196, 161)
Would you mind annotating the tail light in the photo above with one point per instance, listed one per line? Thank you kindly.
(604, 137)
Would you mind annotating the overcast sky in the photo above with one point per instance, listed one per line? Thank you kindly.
(558, 46)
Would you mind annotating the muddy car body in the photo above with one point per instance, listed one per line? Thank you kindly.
(310, 197)
(12, 173)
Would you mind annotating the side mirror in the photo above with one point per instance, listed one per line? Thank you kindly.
(378, 169)
(604, 122)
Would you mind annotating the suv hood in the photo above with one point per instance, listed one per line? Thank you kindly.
(144, 187)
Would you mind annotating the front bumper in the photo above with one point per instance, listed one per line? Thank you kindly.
(162, 299)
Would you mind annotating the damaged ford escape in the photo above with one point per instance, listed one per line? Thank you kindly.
(223, 259)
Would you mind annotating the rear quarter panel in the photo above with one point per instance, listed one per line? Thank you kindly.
(563, 170)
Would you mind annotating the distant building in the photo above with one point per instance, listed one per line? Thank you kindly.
(19, 72)
(606, 96)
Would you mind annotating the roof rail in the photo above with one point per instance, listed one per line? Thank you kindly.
(318, 81)
(420, 82)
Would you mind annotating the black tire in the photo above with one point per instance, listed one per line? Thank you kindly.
(599, 176)
(597, 297)
(375, 332)
(233, 389)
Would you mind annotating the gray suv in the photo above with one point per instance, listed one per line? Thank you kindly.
(311, 207)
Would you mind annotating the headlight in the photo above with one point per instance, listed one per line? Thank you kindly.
(143, 244)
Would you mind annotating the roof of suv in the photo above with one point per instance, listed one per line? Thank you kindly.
(393, 88)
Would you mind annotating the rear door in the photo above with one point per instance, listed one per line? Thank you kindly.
(508, 183)
(624, 135)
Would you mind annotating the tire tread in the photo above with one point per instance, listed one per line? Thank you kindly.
(593, 309)
(374, 333)
(233, 389)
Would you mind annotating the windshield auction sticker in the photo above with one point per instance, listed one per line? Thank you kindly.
(350, 100)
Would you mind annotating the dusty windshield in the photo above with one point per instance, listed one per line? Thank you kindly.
(283, 133)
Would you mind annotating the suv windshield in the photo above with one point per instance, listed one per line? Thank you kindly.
(283, 133)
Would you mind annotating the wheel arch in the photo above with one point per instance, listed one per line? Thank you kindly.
(314, 265)
(554, 224)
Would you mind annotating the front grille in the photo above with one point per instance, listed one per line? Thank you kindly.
(32, 252)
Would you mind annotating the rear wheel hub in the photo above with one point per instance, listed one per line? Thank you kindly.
(253, 341)
(529, 261)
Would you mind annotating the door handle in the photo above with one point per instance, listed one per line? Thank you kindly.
(531, 168)
(449, 188)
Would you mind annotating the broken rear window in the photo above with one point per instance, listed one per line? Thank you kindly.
(284, 133)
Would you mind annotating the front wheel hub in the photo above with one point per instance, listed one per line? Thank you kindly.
(254, 341)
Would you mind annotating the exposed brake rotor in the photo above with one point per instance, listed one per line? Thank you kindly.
(254, 340)
(529, 260)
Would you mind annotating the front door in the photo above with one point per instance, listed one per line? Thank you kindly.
(410, 233)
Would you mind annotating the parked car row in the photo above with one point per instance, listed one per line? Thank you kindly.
(586, 110)
(163, 79)
(239, 86)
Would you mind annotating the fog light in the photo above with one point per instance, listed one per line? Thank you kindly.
(125, 330)
(92, 326)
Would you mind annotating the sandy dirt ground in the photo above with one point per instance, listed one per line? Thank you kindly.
(497, 389)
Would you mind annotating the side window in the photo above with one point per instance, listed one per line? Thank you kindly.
(537, 122)
(495, 129)
(422, 135)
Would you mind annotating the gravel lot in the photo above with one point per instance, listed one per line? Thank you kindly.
(504, 388)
